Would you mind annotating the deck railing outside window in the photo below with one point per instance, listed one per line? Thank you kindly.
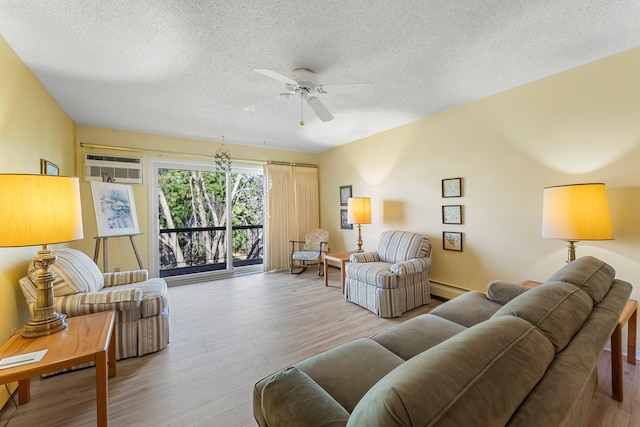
(203, 249)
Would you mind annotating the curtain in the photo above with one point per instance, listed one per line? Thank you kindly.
(292, 209)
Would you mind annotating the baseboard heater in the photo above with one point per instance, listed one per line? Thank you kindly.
(446, 291)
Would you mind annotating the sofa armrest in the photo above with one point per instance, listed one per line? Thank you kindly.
(502, 292)
(291, 397)
(412, 266)
(94, 302)
(125, 277)
(371, 256)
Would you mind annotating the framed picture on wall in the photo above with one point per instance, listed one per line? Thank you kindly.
(452, 241)
(345, 194)
(343, 220)
(48, 168)
(115, 209)
(452, 187)
(452, 214)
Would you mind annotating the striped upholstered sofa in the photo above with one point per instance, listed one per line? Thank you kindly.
(141, 304)
(395, 278)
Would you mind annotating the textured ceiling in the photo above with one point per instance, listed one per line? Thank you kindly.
(185, 67)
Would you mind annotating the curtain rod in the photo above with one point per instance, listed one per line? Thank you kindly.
(179, 153)
(161, 152)
(297, 165)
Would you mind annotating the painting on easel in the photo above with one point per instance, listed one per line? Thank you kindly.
(115, 209)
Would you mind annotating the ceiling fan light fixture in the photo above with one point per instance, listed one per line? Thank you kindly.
(306, 86)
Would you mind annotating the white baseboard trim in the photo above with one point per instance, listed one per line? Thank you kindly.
(445, 291)
(624, 351)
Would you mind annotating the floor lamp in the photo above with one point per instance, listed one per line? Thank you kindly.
(576, 212)
(40, 210)
(359, 212)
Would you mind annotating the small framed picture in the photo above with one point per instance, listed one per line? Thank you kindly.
(343, 220)
(452, 214)
(48, 168)
(452, 241)
(345, 194)
(452, 187)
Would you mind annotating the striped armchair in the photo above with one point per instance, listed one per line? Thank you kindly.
(395, 278)
(141, 304)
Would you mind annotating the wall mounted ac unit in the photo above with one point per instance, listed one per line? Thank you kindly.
(123, 170)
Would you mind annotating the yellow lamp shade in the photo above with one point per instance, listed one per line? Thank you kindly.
(359, 210)
(576, 212)
(39, 210)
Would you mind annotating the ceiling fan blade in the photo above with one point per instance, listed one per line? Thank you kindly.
(347, 88)
(319, 109)
(276, 76)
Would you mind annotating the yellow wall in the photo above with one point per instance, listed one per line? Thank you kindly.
(120, 251)
(32, 126)
(578, 126)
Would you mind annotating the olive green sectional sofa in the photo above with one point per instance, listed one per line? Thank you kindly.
(512, 356)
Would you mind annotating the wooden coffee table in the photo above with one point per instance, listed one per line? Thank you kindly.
(89, 338)
(341, 258)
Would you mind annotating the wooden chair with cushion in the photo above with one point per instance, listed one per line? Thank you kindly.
(141, 304)
(309, 252)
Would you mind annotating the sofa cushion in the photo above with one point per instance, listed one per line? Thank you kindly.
(467, 380)
(74, 272)
(563, 395)
(502, 292)
(346, 372)
(291, 397)
(558, 309)
(416, 335)
(467, 309)
(589, 273)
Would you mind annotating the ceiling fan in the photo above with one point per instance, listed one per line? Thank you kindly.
(306, 87)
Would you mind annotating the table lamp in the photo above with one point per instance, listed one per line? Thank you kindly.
(40, 210)
(576, 212)
(359, 212)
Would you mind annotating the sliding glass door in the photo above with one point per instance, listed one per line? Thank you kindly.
(208, 223)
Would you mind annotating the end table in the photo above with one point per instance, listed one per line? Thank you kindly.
(342, 258)
(89, 338)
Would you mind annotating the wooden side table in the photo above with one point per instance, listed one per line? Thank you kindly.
(342, 258)
(89, 338)
(629, 316)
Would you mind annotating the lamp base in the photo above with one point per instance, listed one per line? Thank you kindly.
(37, 328)
(571, 250)
(46, 320)
(359, 242)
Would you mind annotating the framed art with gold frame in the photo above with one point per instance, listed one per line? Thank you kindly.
(48, 168)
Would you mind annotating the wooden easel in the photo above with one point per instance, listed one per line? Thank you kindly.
(105, 250)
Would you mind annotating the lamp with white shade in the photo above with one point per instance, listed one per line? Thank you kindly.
(576, 212)
(40, 210)
(359, 212)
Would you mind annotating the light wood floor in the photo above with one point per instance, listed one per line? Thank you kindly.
(225, 336)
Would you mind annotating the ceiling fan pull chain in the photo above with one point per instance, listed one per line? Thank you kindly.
(301, 112)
